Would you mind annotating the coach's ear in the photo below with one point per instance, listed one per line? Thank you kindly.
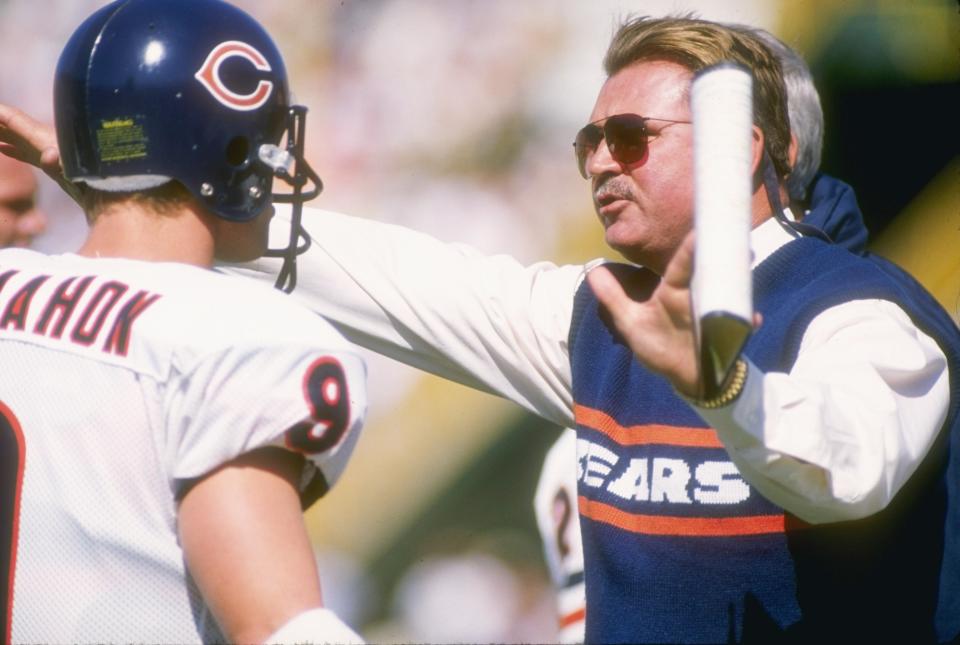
(756, 157)
(793, 150)
(756, 150)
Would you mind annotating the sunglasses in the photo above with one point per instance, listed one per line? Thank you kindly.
(626, 134)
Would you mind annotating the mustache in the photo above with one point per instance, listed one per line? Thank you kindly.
(612, 188)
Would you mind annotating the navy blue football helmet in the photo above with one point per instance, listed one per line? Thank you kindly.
(148, 91)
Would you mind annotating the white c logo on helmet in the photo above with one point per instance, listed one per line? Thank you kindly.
(209, 76)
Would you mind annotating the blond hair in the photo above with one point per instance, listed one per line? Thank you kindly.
(166, 199)
(697, 44)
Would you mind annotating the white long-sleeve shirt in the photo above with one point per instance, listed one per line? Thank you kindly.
(833, 439)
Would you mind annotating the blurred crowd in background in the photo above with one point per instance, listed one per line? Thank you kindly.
(454, 117)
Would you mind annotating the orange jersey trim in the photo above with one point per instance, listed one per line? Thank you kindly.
(646, 434)
(573, 617)
(687, 526)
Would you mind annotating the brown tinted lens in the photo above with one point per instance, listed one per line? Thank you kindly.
(585, 144)
(626, 136)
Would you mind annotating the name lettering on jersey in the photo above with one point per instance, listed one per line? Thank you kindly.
(61, 304)
(659, 480)
(5, 277)
(209, 76)
(15, 315)
(118, 340)
(57, 310)
(103, 301)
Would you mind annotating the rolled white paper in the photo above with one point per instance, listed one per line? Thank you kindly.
(722, 107)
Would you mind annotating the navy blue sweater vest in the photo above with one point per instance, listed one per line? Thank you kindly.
(680, 548)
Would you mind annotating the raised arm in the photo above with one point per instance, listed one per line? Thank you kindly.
(486, 321)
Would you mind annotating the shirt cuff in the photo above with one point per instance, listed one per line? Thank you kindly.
(739, 424)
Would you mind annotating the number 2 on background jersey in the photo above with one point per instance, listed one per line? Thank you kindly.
(562, 510)
(12, 454)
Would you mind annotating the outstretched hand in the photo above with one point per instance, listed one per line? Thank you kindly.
(26, 139)
(660, 329)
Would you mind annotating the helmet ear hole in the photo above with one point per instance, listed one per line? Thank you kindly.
(238, 152)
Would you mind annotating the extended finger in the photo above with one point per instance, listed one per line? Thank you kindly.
(608, 289)
(18, 121)
(679, 270)
(14, 152)
(50, 160)
(26, 138)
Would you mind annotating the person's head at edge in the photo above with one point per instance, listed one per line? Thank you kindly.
(646, 206)
(21, 219)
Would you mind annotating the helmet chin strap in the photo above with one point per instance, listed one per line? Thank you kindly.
(772, 185)
(281, 161)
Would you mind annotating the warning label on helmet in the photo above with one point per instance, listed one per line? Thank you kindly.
(121, 139)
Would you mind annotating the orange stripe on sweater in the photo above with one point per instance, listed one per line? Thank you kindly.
(688, 526)
(646, 434)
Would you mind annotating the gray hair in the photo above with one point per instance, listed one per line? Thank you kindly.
(806, 114)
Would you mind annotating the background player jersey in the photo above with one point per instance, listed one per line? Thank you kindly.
(558, 519)
(121, 381)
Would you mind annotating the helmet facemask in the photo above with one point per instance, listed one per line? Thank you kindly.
(290, 166)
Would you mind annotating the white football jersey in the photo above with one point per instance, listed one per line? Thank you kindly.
(558, 518)
(121, 381)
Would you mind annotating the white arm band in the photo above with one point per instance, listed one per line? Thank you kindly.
(315, 626)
